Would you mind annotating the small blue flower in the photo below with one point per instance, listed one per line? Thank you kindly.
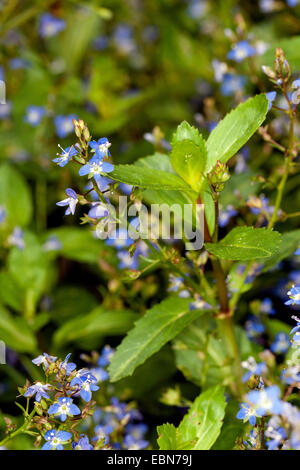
(281, 343)
(2, 214)
(63, 408)
(50, 25)
(34, 115)
(241, 51)
(52, 244)
(266, 307)
(64, 125)
(71, 201)
(254, 327)
(291, 375)
(251, 440)
(232, 84)
(271, 97)
(96, 168)
(131, 443)
(253, 368)
(101, 146)
(65, 156)
(86, 383)
(127, 261)
(266, 400)
(226, 214)
(176, 284)
(123, 39)
(67, 367)
(56, 439)
(247, 413)
(121, 239)
(292, 3)
(275, 433)
(98, 210)
(39, 390)
(82, 444)
(16, 238)
(17, 63)
(45, 360)
(106, 355)
(294, 295)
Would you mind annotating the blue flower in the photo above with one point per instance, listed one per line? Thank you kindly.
(63, 408)
(96, 168)
(71, 201)
(123, 39)
(176, 284)
(39, 390)
(65, 156)
(251, 440)
(127, 261)
(64, 125)
(86, 383)
(266, 307)
(232, 83)
(248, 413)
(294, 295)
(121, 239)
(225, 215)
(297, 252)
(131, 443)
(253, 368)
(45, 360)
(56, 439)
(50, 25)
(241, 51)
(106, 355)
(266, 400)
(98, 210)
(82, 444)
(281, 343)
(34, 115)
(254, 327)
(5, 110)
(275, 433)
(67, 367)
(292, 3)
(52, 244)
(101, 146)
(2, 214)
(16, 238)
(271, 97)
(291, 375)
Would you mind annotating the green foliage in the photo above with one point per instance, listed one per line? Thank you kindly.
(15, 333)
(246, 243)
(235, 130)
(200, 427)
(15, 196)
(160, 324)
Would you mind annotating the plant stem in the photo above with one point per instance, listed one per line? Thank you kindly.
(20, 430)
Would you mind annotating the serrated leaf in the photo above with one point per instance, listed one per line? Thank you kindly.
(148, 178)
(93, 325)
(189, 161)
(289, 243)
(246, 243)
(169, 438)
(200, 428)
(160, 324)
(235, 130)
(187, 132)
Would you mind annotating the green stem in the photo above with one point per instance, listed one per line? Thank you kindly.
(20, 430)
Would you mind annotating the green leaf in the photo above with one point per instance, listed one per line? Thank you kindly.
(204, 419)
(79, 244)
(189, 161)
(10, 292)
(246, 243)
(289, 243)
(200, 428)
(291, 48)
(15, 197)
(235, 130)
(148, 178)
(160, 324)
(15, 332)
(187, 132)
(96, 324)
(169, 438)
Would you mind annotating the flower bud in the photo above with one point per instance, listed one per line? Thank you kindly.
(219, 176)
